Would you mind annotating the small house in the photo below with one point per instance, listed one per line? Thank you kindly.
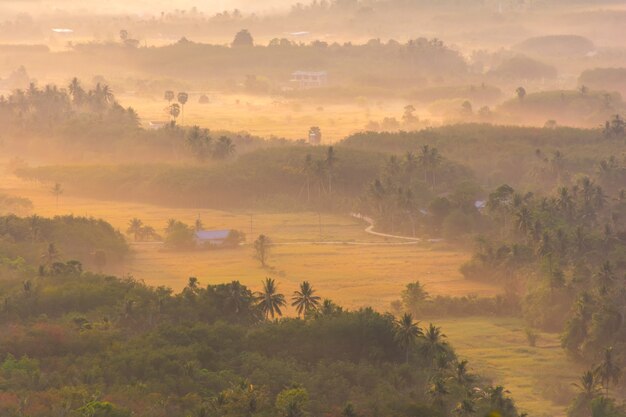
(309, 79)
(213, 237)
(156, 125)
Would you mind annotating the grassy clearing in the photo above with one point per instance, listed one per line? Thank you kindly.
(539, 378)
(353, 276)
(271, 116)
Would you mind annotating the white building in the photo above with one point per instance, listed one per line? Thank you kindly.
(309, 79)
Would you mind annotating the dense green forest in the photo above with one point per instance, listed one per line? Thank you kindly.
(81, 344)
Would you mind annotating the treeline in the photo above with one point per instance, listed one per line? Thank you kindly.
(293, 177)
(75, 123)
(523, 157)
(349, 64)
(86, 344)
(565, 253)
(46, 242)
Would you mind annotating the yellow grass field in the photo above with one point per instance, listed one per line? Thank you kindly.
(271, 116)
(352, 274)
(533, 375)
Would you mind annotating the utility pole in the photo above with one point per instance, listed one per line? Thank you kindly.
(319, 220)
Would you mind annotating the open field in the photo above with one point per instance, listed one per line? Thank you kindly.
(352, 275)
(271, 116)
(533, 375)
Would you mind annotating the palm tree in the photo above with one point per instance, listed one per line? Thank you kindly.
(438, 392)
(269, 301)
(237, 296)
(224, 147)
(50, 255)
(169, 96)
(305, 300)
(545, 249)
(107, 94)
(57, 190)
(330, 161)
(407, 332)
(198, 225)
(171, 225)
(430, 159)
(521, 93)
(497, 398)
(461, 374)
(76, 91)
(182, 99)
(434, 340)
(135, 227)
(174, 111)
(606, 276)
(524, 220)
(588, 386)
(607, 370)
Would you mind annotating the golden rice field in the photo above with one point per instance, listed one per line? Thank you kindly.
(353, 275)
(268, 116)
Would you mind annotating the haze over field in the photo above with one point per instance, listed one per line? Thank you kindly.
(324, 208)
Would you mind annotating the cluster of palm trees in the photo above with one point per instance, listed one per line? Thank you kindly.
(50, 105)
(202, 146)
(319, 173)
(176, 109)
(592, 382)
(141, 231)
(394, 198)
(432, 346)
(529, 222)
(270, 302)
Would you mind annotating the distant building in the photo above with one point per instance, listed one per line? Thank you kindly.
(156, 125)
(212, 237)
(309, 79)
(315, 136)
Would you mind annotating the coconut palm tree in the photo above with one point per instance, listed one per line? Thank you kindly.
(135, 227)
(174, 111)
(438, 392)
(237, 296)
(434, 340)
(407, 332)
(182, 99)
(224, 147)
(269, 301)
(524, 220)
(76, 91)
(606, 275)
(51, 255)
(57, 190)
(607, 370)
(330, 161)
(588, 386)
(305, 300)
(461, 373)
